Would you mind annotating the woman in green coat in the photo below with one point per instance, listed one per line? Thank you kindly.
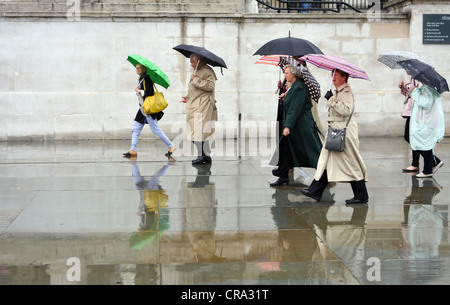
(300, 144)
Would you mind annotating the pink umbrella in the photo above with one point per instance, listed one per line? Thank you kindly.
(331, 62)
(282, 60)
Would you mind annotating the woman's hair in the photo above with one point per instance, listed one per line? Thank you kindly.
(343, 74)
(295, 71)
(143, 68)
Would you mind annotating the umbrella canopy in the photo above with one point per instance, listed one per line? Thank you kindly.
(156, 74)
(331, 62)
(272, 60)
(310, 81)
(425, 74)
(391, 58)
(288, 46)
(209, 57)
(312, 84)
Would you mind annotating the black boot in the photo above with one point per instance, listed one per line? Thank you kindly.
(309, 194)
(202, 160)
(280, 181)
(317, 187)
(203, 153)
(203, 174)
(360, 194)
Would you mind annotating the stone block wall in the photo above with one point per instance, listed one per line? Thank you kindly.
(89, 7)
(64, 80)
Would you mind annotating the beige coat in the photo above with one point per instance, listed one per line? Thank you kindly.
(348, 165)
(201, 111)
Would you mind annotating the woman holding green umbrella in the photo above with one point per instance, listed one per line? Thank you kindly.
(145, 88)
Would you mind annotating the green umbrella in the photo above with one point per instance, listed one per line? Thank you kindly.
(155, 73)
(159, 223)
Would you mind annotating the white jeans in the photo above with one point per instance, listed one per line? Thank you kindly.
(154, 127)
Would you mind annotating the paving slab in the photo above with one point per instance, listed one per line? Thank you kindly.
(151, 221)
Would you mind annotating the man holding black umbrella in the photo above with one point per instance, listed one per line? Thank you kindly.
(201, 111)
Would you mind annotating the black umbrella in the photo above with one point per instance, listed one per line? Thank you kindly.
(425, 74)
(288, 46)
(209, 57)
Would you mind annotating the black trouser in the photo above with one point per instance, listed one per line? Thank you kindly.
(285, 162)
(359, 189)
(203, 148)
(429, 160)
(415, 153)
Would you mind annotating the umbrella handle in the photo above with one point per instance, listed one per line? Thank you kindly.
(195, 71)
(331, 83)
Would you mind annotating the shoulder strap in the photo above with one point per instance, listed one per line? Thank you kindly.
(348, 121)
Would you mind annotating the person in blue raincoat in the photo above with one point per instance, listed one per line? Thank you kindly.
(427, 127)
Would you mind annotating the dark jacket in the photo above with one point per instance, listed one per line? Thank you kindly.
(147, 86)
(304, 140)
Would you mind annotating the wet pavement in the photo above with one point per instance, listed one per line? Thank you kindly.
(78, 213)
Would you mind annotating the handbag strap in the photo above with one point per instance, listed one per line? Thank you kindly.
(153, 84)
(348, 121)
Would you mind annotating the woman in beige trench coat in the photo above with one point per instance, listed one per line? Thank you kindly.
(346, 166)
(201, 111)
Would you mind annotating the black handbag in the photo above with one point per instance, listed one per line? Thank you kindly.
(336, 137)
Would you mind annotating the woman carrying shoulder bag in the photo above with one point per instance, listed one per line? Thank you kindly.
(345, 166)
(145, 88)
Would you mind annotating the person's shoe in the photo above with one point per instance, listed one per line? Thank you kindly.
(310, 195)
(280, 181)
(171, 150)
(422, 175)
(356, 201)
(129, 154)
(410, 169)
(435, 168)
(202, 159)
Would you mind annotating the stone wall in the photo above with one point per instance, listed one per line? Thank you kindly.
(65, 76)
(87, 7)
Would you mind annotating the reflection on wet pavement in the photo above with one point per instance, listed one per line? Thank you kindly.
(150, 221)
